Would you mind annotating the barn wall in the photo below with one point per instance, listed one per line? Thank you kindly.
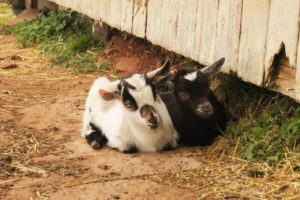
(259, 38)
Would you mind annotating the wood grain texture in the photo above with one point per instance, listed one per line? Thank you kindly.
(248, 33)
(205, 31)
(228, 34)
(298, 72)
(252, 46)
(86, 7)
(127, 15)
(154, 16)
(115, 17)
(282, 29)
(185, 37)
(139, 18)
(101, 10)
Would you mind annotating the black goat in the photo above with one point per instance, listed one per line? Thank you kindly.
(194, 109)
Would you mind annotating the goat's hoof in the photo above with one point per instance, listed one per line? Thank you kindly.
(96, 139)
(131, 149)
(167, 147)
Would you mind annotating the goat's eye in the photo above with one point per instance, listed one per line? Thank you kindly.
(128, 104)
(183, 96)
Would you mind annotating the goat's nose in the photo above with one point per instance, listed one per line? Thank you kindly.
(206, 107)
(153, 120)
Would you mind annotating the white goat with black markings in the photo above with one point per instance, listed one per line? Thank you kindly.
(128, 115)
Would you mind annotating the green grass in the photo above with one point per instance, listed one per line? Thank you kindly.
(5, 13)
(268, 129)
(66, 37)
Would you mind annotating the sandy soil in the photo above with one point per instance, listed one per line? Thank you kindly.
(42, 155)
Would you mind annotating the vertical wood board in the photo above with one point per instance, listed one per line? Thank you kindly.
(282, 28)
(298, 72)
(127, 15)
(205, 31)
(253, 40)
(168, 24)
(86, 7)
(139, 18)
(101, 10)
(228, 34)
(185, 37)
(154, 15)
(115, 14)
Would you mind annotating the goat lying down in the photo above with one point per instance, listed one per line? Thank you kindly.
(195, 111)
(128, 115)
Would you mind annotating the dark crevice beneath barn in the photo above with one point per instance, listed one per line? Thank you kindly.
(279, 62)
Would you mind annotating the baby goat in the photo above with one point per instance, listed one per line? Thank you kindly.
(195, 111)
(128, 115)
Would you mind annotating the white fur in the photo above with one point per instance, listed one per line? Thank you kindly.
(124, 128)
(191, 76)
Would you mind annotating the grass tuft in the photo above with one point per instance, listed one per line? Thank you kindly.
(268, 128)
(65, 36)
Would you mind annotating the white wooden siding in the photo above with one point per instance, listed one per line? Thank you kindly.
(248, 33)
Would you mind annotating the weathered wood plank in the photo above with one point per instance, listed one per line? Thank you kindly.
(169, 24)
(205, 31)
(228, 33)
(298, 72)
(86, 7)
(282, 29)
(127, 15)
(253, 41)
(139, 18)
(74, 4)
(154, 16)
(115, 14)
(185, 37)
(247, 33)
(101, 10)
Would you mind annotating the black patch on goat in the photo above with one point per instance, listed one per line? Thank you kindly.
(127, 100)
(167, 147)
(151, 84)
(131, 149)
(96, 138)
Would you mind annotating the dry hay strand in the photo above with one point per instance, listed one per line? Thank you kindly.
(64, 170)
(225, 176)
(29, 170)
(20, 144)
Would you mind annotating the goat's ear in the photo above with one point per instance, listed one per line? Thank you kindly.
(107, 95)
(213, 69)
(164, 69)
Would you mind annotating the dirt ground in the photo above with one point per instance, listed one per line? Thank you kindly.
(43, 156)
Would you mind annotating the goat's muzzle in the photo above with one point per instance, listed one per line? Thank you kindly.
(205, 109)
(150, 116)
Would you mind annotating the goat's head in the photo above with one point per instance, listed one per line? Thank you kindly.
(193, 91)
(138, 95)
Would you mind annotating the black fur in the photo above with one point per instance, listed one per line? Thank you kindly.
(96, 138)
(130, 150)
(151, 84)
(167, 147)
(128, 101)
(193, 129)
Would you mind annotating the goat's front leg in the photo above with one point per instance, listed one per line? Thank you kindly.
(95, 137)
